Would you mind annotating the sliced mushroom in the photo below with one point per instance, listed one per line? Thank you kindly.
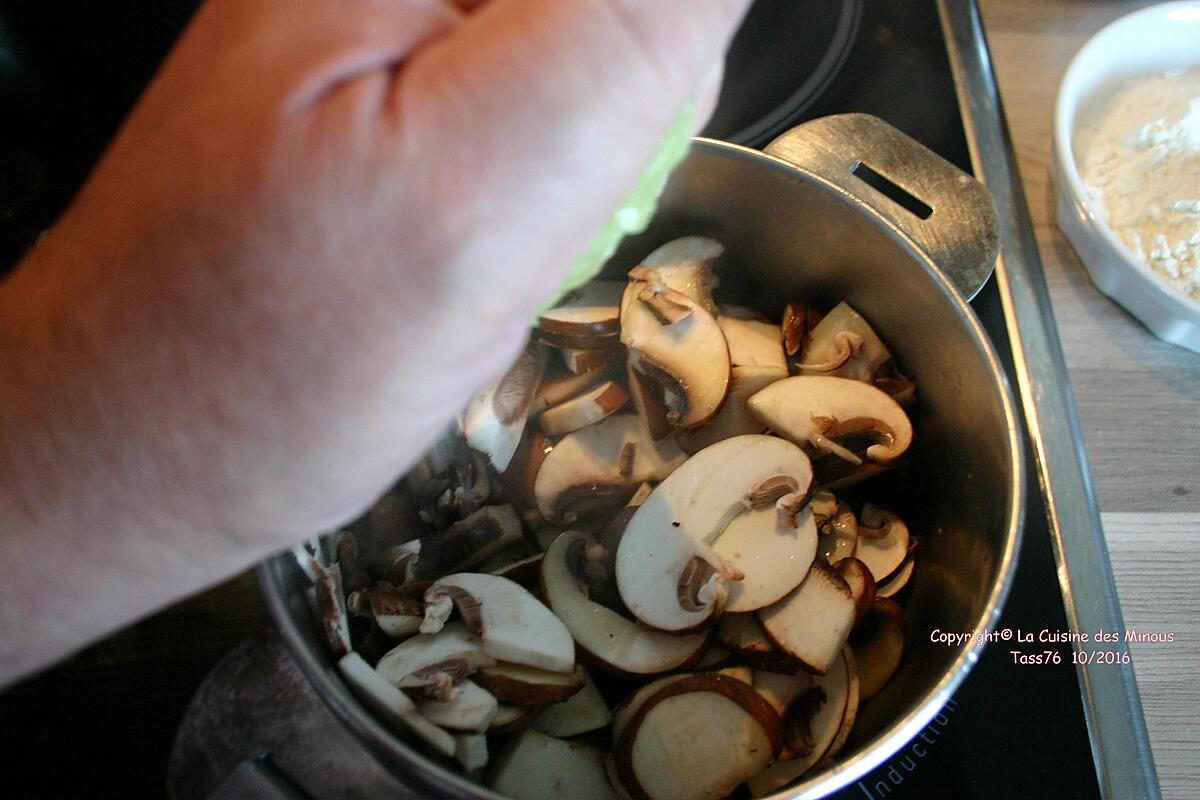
(331, 604)
(582, 712)
(391, 704)
(883, 542)
(727, 515)
(396, 613)
(850, 714)
(734, 418)
(510, 718)
(823, 725)
(557, 390)
(513, 624)
(744, 636)
(536, 767)
(738, 672)
(589, 341)
(781, 689)
(648, 400)
(753, 344)
(592, 468)
(467, 708)
(607, 639)
(815, 410)
(435, 662)
(812, 623)
(680, 347)
(529, 686)
(416, 563)
(496, 416)
(837, 526)
(520, 479)
(685, 265)
(798, 320)
(586, 409)
(895, 584)
(581, 362)
(862, 585)
(878, 644)
(471, 751)
(844, 344)
(662, 752)
(592, 309)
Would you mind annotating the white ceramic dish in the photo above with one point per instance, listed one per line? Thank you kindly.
(1153, 40)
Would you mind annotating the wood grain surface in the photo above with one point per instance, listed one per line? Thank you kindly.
(1138, 397)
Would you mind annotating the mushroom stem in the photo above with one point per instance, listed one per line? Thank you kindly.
(827, 445)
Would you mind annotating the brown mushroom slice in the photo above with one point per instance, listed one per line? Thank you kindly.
(471, 751)
(392, 705)
(679, 347)
(582, 712)
(648, 400)
(435, 661)
(586, 409)
(815, 410)
(813, 622)
(850, 715)
(529, 686)
(685, 265)
(753, 344)
(610, 769)
(726, 516)
(878, 644)
(862, 585)
(415, 563)
(519, 480)
(734, 418)
(823, 724)
(495, 417)
(612, 642)
(510, 718)
(600, 466)
(535, 767)
(844, 344)
(883, 542)
(663, 754)
(744, 636)
(396, 613)
(588, 341)
(331, 605)
(895, 584)
(562, 388)
(582, 362)
(592, 309)
(467, 708)
(781, 689)
(513, 624)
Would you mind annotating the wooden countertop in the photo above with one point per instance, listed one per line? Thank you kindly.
(1138, 398)
(1138, 401)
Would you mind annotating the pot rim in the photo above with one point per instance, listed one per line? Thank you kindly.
(393, 752)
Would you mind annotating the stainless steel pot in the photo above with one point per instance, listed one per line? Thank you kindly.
(805, 220)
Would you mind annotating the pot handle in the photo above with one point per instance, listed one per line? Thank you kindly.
(945, 211)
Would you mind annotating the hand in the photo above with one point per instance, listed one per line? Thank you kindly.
(325, 223)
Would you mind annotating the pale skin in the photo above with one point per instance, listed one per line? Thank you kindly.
(322, 227)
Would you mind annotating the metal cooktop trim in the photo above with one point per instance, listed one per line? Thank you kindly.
(1120, 745)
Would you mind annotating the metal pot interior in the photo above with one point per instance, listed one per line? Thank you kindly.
(789, 236)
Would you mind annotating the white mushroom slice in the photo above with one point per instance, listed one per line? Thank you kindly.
(815, 410)
(471, 751)
(513, 624)
(495, 418)
(391, 704)
(434, 661)
(600, 466)
(581, 362)
(895, 584)
(630, 705)
(844, 344)
(744, 636)
(753, 344)
(586, 409)
(582, 712)
(684, 352)
(738, 673)
(862, 585)
(728, 514)
(883, 542)
(699, 737)
(779, 689)
(415, 563)
(537, 767)
(468, 708)
(685, 265)
(593, 308)
(510, 718)
(878, 644)
(609, 640)
(734, 418)
(529, 686)
(397, 614)
(555, 391)
(812, 623)
(827, 706)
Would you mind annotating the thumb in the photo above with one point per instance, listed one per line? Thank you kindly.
(560, 103)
